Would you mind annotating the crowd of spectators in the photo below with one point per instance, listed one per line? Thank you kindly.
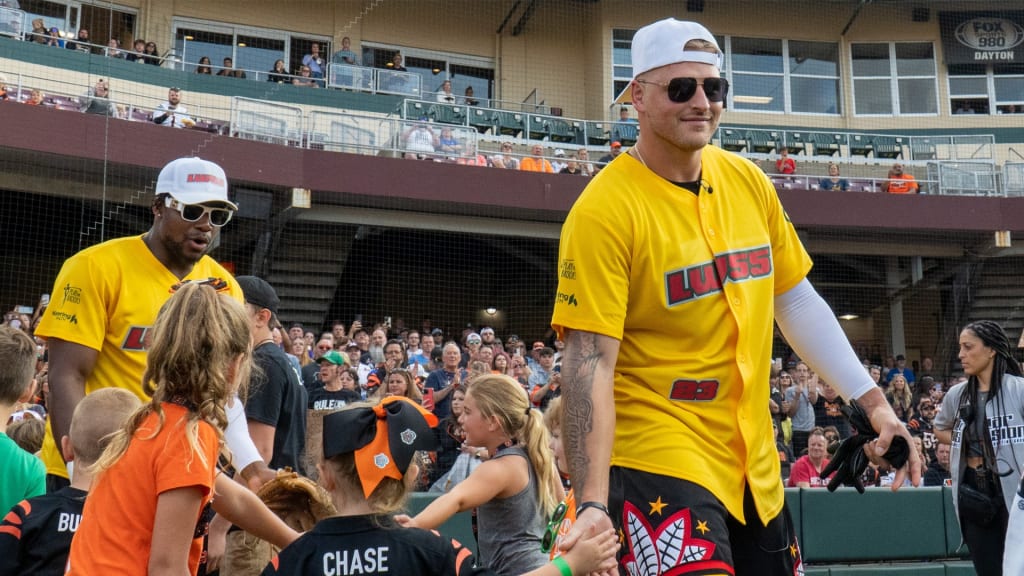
(354, 361)
(808, 419)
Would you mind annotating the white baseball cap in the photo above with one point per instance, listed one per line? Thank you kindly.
(663, 43)
(194, 181)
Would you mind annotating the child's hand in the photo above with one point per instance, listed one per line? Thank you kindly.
(594, 553)
(405, 520)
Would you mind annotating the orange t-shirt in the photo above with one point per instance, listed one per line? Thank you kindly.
(902, 184)
(530, 164)
(115, 535)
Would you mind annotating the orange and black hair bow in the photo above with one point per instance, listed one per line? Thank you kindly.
(384, 438)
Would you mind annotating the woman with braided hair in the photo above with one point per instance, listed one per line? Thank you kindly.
(983, 419)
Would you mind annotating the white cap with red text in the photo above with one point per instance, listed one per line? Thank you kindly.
(194, 181)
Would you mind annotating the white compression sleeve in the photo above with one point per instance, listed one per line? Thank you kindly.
(243, 451)
(811, 328)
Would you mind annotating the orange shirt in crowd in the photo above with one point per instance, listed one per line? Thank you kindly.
(902, 184)
(531, 164)
(116, 533)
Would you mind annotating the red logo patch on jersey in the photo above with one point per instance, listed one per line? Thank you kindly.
(136, 339)
(694, 390)
(708, 278)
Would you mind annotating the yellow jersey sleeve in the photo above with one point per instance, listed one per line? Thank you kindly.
(593, 272)
(78, 310)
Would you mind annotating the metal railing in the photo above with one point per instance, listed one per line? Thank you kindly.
(374, 80)
(1013, 178)
(266, 121)
(853, 145)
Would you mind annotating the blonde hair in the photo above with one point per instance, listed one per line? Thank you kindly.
(412, 391)
(701, 45)
(553, 415)
(28, 434)
(96, 419)
(18, 358)
(197, 337)
(387, 498)
(904, 397)
(501, 396)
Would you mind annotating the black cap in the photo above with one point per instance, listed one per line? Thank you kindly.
(258, 293)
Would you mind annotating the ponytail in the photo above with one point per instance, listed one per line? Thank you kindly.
(536, 440)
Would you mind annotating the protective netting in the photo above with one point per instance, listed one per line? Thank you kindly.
(859, 87)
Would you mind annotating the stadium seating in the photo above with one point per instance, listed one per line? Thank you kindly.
(826, 144)
(625, 132)
(796, 142)
(861, 145)
(733, 140)
(597, 134)
(888, 147)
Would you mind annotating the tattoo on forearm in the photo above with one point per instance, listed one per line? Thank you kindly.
(578, 368)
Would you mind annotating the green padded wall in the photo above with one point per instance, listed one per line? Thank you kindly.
(459, 527)
(844, 526)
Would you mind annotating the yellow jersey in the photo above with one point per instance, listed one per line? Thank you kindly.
(687, 283)
(107, 297)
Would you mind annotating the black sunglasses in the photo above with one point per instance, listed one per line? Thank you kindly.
(682, 89)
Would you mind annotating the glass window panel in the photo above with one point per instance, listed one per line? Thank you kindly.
(917, 96)
(53, 14)
(870, 59)
(757, 55)
(622, 55)
(873, 96)
(1004, 69)
(479, 78)
(967, 86)
(1009, 89)
(623, 34)
(755, 92)
(618, 86)
(915, 59)
(431, 81)
(815, 95)
(813, 58)
(623, 71)
(257, 55)
(212, 45)
(966, 69)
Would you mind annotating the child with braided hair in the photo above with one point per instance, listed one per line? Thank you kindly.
(368, 465)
